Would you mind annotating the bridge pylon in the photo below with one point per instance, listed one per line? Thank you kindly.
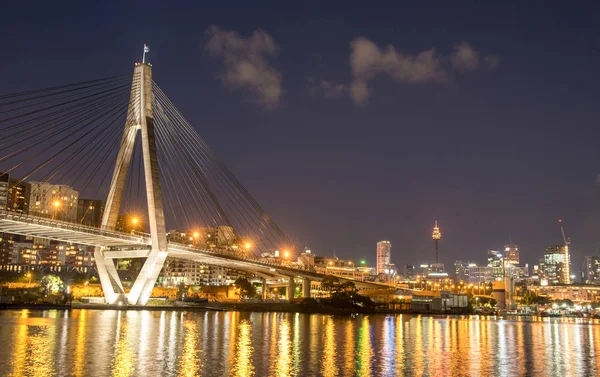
(139, 118)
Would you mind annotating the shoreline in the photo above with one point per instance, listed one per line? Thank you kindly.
(224, 307)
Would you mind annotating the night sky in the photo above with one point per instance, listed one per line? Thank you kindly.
(353, 124)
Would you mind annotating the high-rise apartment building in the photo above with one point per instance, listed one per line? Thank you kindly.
(496, 262)
(590, 270)
(384, 251)
(178, 271)
(14, 194)
(557, 265)
(57, 201)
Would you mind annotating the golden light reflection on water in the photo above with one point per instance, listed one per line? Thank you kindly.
(189, 363)
(328, 361)
(283, 364)
(349, 351)
(242, 363)
(41, 349)
(20, 351)
(418, 354)
(80, 345)
(399, 346)
(123, 364)
(277, 344)
(364, 351)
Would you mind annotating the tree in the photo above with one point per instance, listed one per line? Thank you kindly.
(247, 290)
(329, 283)
(181, 291)
(51, 284)
(541, 300)
(528, 298)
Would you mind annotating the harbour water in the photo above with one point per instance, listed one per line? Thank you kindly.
(170, 343)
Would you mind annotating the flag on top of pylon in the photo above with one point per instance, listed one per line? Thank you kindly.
(146, 48)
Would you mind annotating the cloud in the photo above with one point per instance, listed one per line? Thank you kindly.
(465, 57)
(368, 60)
(326, 88)
(247, 63)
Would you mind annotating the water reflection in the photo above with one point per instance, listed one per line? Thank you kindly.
(242, 364)
(328, 362)
(365, 351)
(80, 345)
(283, 364)
(189, 364)
(113, 343)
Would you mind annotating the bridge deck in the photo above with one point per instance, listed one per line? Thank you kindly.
(35, 226)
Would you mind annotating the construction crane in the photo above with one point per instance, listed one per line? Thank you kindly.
(562, 229)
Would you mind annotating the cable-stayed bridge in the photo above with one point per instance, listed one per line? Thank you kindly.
(123, 140)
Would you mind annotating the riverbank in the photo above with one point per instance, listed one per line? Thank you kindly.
(283, 307)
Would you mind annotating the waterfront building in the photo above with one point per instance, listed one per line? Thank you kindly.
(384, 251)
(338, 267)
(590, 270)
(556, 266)
(51, 200)
(177, 271)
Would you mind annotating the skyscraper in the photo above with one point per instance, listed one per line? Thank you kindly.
(384, 251)
(557, 265)
(511, 254)
(590, 270)
(496, 262)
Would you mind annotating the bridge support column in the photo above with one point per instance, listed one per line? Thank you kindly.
(291, 289)
(264, 289)
(305, 287)
(139, 118)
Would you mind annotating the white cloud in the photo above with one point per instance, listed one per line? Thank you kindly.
(246, 63)
(368, 60)
(465, 57)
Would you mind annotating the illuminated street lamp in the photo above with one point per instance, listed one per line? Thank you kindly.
(56, 205)
(29, 277)
(286, 254)
(248, 245)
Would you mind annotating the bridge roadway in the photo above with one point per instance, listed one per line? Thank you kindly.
(138, 245)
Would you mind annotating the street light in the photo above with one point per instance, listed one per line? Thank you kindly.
(56, 205)
(286, 254)
(248, 245)
(29, 277)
